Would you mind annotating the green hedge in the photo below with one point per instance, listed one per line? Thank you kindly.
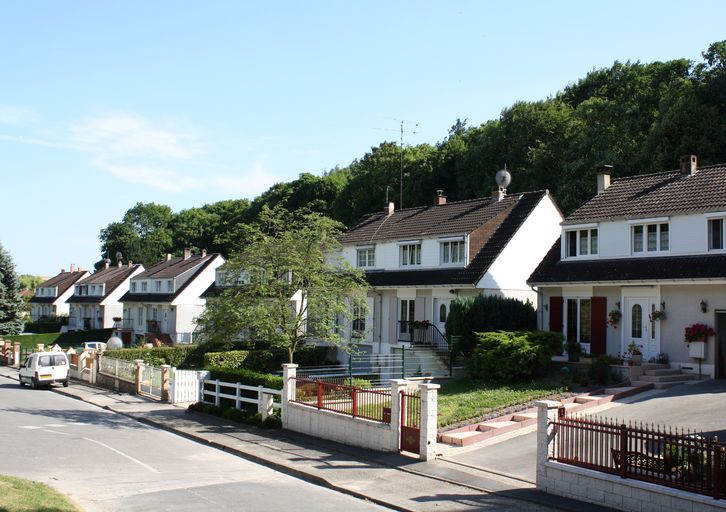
(43, 326)
(469, 316)
(510, 356)
(264, 360)
(240, 416)
(246, 376)
(180, 356)
(66, 339)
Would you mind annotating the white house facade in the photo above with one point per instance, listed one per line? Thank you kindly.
(96, 299)
(163, 302)
(640, 262)
(417, 260)
(50, 296)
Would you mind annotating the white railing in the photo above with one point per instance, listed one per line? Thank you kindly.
(183, 338)
(262, 400)
(186, 385)
(122, 370)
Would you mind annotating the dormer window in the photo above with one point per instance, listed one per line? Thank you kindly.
(410, 254)
(650, 238)
(366, 257)
(133, 286)
(170, 285)
(581, 242)
(144, 286)
(452, 252)
(157, 285)
(715, 234)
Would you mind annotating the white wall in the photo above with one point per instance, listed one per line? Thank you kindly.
(387, 255)
(509, 272)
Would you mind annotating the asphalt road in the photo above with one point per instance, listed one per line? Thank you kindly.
(108, 462)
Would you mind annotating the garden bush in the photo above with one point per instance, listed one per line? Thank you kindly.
(180, 356)
(487, 314)
(511, 356)
(265, 360)
(238, 415)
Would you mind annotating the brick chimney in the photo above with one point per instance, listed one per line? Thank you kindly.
(498, 193)
(106, 263)
(130, 263)
(439, 198)
(689, 165)
(73, 267)
(389, 209)
(603, 177)
(187, 253)
(168, 256)
(204, 253)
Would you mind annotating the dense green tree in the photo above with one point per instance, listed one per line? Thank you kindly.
(11, 305)
(284, 287)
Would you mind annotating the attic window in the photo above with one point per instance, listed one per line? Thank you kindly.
(410, 254)
(715, 234)
(651, 238)
(581, 242)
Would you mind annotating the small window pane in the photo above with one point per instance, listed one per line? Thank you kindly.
(442, 313)
(584, 321)
(664, 238)
(593, 241)
(636, 330)
(715, 227)
(652, 237)
(572, 243)
(638, 239)
(584, 242)
(571, 320)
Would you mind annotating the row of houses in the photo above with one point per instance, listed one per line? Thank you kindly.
(639, 262)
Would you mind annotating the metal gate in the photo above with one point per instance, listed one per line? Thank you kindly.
(150, 380)
(411, 421)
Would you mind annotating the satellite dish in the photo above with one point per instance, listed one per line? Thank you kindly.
(503, 178)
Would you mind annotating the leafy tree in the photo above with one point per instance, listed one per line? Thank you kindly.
(286, 285)
(11, 305)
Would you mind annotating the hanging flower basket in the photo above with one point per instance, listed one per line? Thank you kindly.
(614, 317)
(657, 315)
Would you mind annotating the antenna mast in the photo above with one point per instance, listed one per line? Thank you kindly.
(413, 132)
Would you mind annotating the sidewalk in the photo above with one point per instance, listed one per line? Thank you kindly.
(390, 480)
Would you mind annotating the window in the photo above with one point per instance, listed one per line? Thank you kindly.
(133, 287)
(715, 234)
(637, 321)
(143, 286)
(170, 286)
(578, 320)
(442, 314)
(359, 320)
(410, 254)
(651, 238)
(581, 242)
(157, 285)
(452, 252)
(407, 311)
(366, 257)
(93, 289)
(139, 316)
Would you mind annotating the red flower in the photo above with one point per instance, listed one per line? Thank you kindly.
(698, 332)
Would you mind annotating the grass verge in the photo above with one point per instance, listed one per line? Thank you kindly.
(463, 399)
(20, 495)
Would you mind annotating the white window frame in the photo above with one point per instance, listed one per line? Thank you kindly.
(446, 254)
(586, 237)
(157, 286)
(170, 285)
(565, 320)
(710, 222)
(409, 254)
(369, 257)
(644, 228)
(133, 286)
(144, 286)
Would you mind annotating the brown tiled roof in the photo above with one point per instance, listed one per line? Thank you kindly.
(112, 277)
(653, 195)
(63, 281)
(520, 207)
(553, 271)
(453, 218)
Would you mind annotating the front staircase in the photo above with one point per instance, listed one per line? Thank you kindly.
(424, 361)
(662, 376)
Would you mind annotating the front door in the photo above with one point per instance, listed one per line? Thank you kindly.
(640, 328)
(441, 313)
(406, 310)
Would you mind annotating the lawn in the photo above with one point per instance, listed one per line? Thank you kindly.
(463, 399)
(20, 495)
(66, 339)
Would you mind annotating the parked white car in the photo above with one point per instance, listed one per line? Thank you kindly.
(94, 345)
(45, 368)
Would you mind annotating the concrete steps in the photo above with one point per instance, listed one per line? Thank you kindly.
(478, 432)
(664, 376)
(423, 361)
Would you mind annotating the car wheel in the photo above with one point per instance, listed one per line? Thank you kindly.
(34, 384)
(65, 383)
(20, 381)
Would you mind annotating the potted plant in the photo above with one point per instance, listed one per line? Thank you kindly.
(657, 315)
(636, 355)
(614, 317)
(696, 336)
(574, 349)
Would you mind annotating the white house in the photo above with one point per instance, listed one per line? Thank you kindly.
(644, 247)
(51, 295)
(96, 299)
(164, 301)
(418, 260)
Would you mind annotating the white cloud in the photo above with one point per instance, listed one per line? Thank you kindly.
(129, 135)
(15, 115)
(249, 183)
(168, 180)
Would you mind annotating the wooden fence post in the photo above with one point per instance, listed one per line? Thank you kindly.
(165, 374)
(623, 450)
(137, 380)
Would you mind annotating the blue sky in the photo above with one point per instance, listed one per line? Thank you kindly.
(105, 104)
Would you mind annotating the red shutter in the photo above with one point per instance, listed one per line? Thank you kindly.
(598, 325)
(556, 314)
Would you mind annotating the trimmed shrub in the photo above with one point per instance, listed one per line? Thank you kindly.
(469, 316)
(240, 416)
(245, 376)
(264, 360)
(510, 356)
(180, 356)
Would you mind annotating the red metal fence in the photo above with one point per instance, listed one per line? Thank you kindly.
(371, 404)
(682, 460)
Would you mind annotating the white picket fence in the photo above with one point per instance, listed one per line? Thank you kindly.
(186, 385)
(265, 399)
(118, 368)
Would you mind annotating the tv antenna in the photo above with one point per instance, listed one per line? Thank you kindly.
(402, 130)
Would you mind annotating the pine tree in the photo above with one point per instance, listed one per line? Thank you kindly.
(11, 305)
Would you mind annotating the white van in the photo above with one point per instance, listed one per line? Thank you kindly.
(44, 368)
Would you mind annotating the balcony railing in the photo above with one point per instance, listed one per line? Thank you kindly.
(128, 324)
(153, 326)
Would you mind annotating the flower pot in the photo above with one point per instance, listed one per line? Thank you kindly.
(637, 359)
(697, 349)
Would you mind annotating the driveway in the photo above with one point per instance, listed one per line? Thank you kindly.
(699, 407)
